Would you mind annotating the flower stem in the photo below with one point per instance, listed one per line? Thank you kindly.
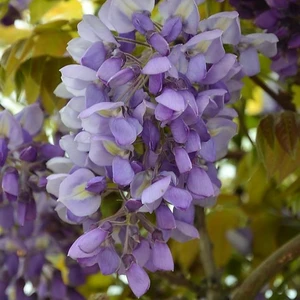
(206, 253)
(121, 39)
(283, 99)
(268, 268)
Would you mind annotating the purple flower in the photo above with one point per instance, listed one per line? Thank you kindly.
(74, 195)
(138, 279)
(146, 129)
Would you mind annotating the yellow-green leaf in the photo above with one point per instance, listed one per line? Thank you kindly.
(264, 227)
(218, 223)
(185, 254)
(37, 8)
(52, 42)
(287, 132)
(11, 34)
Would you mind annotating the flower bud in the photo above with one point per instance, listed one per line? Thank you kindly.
(28, 154)
(142, 23)
(10, 184)
(157, 41)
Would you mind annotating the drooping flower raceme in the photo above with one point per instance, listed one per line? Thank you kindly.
(31, 233)
(148, 120)
(280, 17)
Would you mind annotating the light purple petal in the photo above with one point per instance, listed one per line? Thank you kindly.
(138, 280)
(124, 76)
(164, 217)
(249, 61)
(78, 72)
(77, 47)
(220, 69)
(171, 29)
(157, 65)
(68, 144)
(222, 131)
(93, 30)
(182, 159)
(171, 99)
(180, 198)
(186, 9)
(266, 43)
(108, 260)
(31, 118)
(94, 56)
(140, 182)
(69, 113)
(209, 43)
(156, 190)
(155, 83)
(157, 41)
(142, 252)
(123, 131)
(120, 13)
(228, 22)
(184, 232)
(162, 113)
(75, 197)
(99, 107)
(11, 129)
(199, 183)
(122, 171)
(162, 256)
(193, 143)
(88, 244)
(196, 68)
(53, 183)
(180, 130)
(109, 68)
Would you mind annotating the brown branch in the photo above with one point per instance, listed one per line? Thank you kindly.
(267, 269)
(206, 254)
(235, 155)
(283, 99)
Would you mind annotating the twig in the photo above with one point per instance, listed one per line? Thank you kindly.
(121, 39)
(267, 269)
(236, 155)
(283, 99)
(213, 282)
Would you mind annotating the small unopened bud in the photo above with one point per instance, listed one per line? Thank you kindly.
(28, 154)
(96, 185)
(158, 42)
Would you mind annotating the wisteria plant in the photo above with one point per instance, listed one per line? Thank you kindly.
(153, 93)
(149, 118)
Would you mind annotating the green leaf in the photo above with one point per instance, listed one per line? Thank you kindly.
(3, 8)
(265, 144)
(50, 26)
(51, 102)
(257, 187)
(186, 253)
(283, 158)
(296, 95)
(37, 8)
(264, 227)
(218, 223)
(286, 132)
(266, 127)
(51, 42)
(32, 71)
(11, 34)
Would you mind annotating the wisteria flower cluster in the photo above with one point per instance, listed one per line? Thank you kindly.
(280, 17)
(148, 120)
(30, 234)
